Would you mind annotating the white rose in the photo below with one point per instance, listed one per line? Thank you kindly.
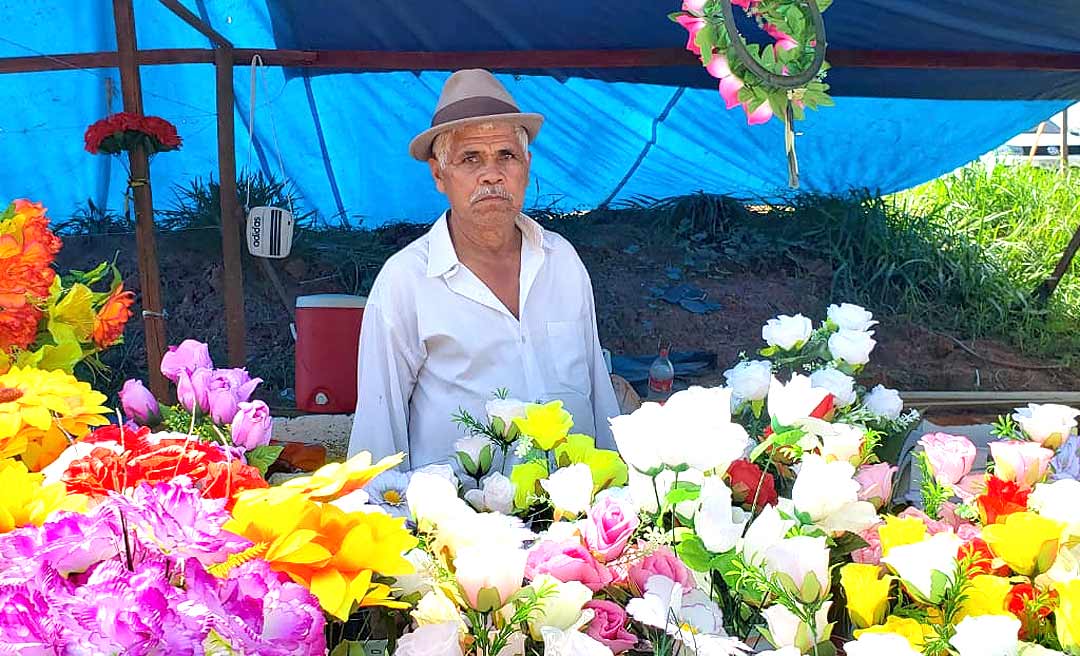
(749, 381)
(839, 384)
(884, 402)
(505, 411)
(842, 442)
(490, 576)
(795, 400)
(767, 529)
(441, 470)
(472, 530)
(801, 557)
(433, 500)
(474, 454)
(570, 488)
(916, 563)
(496, 494)
(717, 523)
(788, 631)
(699, 432)
(821, 488)
(561, 608)
(880, 644)
(431, 640)
(1048, 424)
(1057, 500)
(421, 580)
(572, 641)
(436, 608)
(987, 635)
(851, 317)
(787, 332)
(636, 436)
(852, 346)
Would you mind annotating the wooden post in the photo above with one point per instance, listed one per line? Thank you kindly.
(149, 277)
(1035, 144)
(231, 219)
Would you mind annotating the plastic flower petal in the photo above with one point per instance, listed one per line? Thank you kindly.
(336, 479)
(866, 592)
(546, 424)
(1027, 542)
(26, 501)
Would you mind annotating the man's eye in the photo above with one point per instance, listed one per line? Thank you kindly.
(509, 156)
(470, 159)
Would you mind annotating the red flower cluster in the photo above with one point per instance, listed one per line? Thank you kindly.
(750, 485)
(145, 460)
(1000, 500)
(123, 131)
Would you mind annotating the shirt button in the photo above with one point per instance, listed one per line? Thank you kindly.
(523, 339)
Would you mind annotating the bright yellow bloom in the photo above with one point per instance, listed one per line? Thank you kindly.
(1067, 615)
(336, 479)
(40, 409)
(912, 630)
(546, 424)
(986, 596)
(866, 592)
(333, 553)
(526, 478)
(25, 501)
(608, 469)
(1026, 541)
(899, 531)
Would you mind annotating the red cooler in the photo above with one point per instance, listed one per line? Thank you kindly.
(327, 340)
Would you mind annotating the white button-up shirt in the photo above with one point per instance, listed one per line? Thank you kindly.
(436, 339)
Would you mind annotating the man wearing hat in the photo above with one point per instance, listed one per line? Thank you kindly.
(486, 299)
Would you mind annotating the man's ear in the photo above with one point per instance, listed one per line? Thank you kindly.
(437, 174)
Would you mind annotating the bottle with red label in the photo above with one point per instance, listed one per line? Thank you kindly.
(661, 376)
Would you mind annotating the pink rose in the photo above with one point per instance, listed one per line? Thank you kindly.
(609, 626)
(933, 526)
(875, 483)
(694, 6)
(1023, 462)
(566, 561)
(951, 456)
(870, 554)
(662, 562)
(608, 526)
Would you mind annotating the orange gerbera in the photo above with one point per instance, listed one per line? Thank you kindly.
(112, 317)
(27, 251)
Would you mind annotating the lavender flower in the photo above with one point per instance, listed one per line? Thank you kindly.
(185, 358)
(1066, 462)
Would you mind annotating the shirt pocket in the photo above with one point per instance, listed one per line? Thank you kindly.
(568, 355)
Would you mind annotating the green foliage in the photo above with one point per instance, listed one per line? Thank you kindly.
(93, 220)
(198, 204)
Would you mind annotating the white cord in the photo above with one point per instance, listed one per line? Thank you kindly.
(257, 62)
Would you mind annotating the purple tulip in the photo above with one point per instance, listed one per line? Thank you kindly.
(139, 404)
(238, 380)
(188, 356)
(193, 390)
(252, 425)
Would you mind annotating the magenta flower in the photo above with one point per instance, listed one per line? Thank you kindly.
(187, 357)
(609, 626)
(139, 404)
(608, 526)
(193, 390)
(252, 425)
(693, 25)
(226, 389)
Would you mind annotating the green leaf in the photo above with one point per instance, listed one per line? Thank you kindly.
(261, 457)
(683, 491)
(486, 456)
(466, 461)
(693, 553)
(847, 543)
(939, 583)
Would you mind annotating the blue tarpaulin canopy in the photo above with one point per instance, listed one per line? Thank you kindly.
(611, 133)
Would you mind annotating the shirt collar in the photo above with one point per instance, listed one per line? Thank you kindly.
(442, 258)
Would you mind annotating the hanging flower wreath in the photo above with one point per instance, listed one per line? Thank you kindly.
(123, 131)
(765, 80)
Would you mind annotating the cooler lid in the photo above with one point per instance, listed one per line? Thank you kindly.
(331, 301)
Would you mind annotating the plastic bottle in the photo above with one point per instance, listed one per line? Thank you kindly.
(661, 376)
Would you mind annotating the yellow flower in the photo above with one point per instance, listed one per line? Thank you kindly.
(40, 409)
(526, 478)
(912, 630)
(336, 479)
(1067, 615)
(1026, 541)
(986, 596)
(26, 501)
(866, 592)
(608, 469)
(546, 424)
(899, 531)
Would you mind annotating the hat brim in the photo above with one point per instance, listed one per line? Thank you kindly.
(420, 146)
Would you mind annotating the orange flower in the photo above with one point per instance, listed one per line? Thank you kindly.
(27, 251)
(112, 317)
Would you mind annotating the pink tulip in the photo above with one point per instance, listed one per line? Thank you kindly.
(718, 67)
(188, 356)
(609, 626)
(693, 25)
(760, 115)
(662, 562)
(192, 390)
(729, 91)
(1025, 463)
(875, 483)
(951, 456)
(139, 404)
(694, 6)
(608, 526)
(567, 561)
(251, 425)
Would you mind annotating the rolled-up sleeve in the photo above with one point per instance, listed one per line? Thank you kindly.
(387, 367)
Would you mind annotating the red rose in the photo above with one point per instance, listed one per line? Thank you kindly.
(97, 474)
(749, 484)
(1000, 500)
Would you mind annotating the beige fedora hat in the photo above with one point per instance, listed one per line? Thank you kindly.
(472, 96)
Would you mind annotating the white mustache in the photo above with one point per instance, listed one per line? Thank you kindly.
(497, 191)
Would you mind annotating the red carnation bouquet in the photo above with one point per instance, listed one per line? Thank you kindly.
(123, 131)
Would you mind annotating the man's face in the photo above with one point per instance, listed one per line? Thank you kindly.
(485, 175)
